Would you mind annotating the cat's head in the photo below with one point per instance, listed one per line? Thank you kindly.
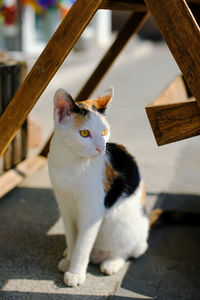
(81, 126)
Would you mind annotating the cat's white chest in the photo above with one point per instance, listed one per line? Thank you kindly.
(63, 179)
(75, 177)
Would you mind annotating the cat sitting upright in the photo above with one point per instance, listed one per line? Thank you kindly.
(98, 188)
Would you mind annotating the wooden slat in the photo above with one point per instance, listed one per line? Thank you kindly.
(130, 5)
(44, 69)
(24, 128)
(131, 27)
(13, 177)
(182, 34)
(173, 116)
(134, 23)
(16, 143)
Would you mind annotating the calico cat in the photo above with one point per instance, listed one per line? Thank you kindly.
(98, 188)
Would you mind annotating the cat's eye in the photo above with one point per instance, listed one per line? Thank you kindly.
(84, 133)
(104, 132)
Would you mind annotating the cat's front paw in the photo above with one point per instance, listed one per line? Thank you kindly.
(73, 279)
(63, 265)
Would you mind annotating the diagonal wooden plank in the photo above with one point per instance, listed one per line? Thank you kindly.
(13, 177)
(182, 34)
(44, 69)
(131, 27)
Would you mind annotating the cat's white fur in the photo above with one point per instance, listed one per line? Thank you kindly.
(106, 236)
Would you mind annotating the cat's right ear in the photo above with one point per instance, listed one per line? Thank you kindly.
(63, 104)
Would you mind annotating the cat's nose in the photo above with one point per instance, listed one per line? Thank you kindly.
(100, 150)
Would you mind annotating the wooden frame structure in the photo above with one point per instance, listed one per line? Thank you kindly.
(174, 19)
(174, 115)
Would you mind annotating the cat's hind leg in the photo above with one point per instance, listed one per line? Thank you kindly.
(112, 265)
(97, 256)
(63, 264)
(139, 249)
(65, 253)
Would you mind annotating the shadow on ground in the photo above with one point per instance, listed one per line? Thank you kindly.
(169, 270)
(26, 215)
(26, 251)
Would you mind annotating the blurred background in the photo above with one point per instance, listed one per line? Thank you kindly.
(27, 25)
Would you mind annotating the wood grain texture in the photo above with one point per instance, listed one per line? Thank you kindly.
(174, 118)
(44, 69)
(182, 34)
(130, 5)
(13, 177)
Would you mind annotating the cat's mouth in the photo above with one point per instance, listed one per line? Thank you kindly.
(98, 153)
(92, 155)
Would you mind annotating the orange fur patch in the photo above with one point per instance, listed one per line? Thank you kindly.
(97, 102)
(110, 175)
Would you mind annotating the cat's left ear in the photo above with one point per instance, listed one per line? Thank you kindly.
(105, 99)
(101, 103)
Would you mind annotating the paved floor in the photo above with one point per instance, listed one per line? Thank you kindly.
(32, 237)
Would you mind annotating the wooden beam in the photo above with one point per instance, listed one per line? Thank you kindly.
(131, 27)
(13, 177)
(173, 116)
(134, 23)
(182, 34)
(130, 5)
(44, 69)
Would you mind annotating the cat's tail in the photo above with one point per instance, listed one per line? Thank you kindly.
(154, 215)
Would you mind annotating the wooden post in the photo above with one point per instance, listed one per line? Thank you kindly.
(182, 34)
(6, 98)
(16, 143)
(44, 69)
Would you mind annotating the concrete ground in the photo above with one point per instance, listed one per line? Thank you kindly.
(32, 238)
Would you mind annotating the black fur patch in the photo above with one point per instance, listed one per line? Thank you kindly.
(99, 110)
(128, 179)
(79, 108)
